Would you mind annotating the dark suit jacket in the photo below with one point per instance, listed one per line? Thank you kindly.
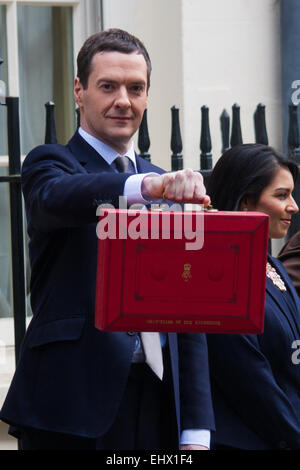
(290, 258)
(71, 376)
(256, 385)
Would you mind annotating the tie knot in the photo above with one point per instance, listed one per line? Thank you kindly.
(124, 165)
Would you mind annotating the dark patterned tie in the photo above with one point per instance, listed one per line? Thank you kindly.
(123, 165)
(150, 341)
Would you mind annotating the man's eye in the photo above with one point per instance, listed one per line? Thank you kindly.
(106, 86)
(137, 89)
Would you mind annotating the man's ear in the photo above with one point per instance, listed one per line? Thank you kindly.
(78, 91)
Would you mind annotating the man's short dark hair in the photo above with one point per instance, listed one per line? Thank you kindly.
(109, 40)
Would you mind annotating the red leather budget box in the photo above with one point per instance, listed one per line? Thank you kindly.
(181, 271)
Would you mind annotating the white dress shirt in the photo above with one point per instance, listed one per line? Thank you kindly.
(132, 190)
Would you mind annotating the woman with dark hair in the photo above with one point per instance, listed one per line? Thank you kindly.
(256, 378)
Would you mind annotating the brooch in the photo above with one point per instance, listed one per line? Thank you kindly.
(275, 278)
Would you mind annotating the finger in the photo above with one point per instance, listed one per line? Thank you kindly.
(199, 190)
(190, 184)
(205, 201)
(169, 185)
(179, 186)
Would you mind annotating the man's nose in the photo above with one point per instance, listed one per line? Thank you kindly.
(122, 98)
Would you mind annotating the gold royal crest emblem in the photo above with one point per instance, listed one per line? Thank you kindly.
(186, 275)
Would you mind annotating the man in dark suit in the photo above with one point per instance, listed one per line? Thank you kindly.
(76, 387)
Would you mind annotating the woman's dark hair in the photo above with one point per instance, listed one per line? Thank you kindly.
(109, 40)
(243, 172)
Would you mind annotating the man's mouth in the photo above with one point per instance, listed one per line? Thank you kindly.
(120, 118)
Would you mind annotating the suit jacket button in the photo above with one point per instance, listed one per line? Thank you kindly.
(131, 333)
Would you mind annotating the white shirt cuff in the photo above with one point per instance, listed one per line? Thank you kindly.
(132, 189)
(200, 437)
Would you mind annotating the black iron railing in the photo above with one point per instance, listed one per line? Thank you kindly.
(16, 221)
(230, 137)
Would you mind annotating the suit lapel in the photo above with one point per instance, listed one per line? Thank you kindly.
(275, 293)
(93, 162)
(87, 155)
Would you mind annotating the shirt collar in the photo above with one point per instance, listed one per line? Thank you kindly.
(106, 152)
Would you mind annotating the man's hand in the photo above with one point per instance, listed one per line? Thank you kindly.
(183, 186)
(193, 447)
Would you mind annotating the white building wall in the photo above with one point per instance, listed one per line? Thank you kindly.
(158, 24)
(231, 55)
(214, 53)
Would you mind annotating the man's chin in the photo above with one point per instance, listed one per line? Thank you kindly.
(118, 141)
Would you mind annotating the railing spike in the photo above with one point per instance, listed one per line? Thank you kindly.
(261, 136)
(143, 138)
(205, 140)
(50, 133)
(236, 132)
(176, 142)
(225, 130)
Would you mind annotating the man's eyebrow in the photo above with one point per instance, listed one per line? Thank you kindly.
(139, 82)
(106, 80)
(111, 80)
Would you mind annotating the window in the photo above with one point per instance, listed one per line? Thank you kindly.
(45, 72)
(3, 77)
(39, 41)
